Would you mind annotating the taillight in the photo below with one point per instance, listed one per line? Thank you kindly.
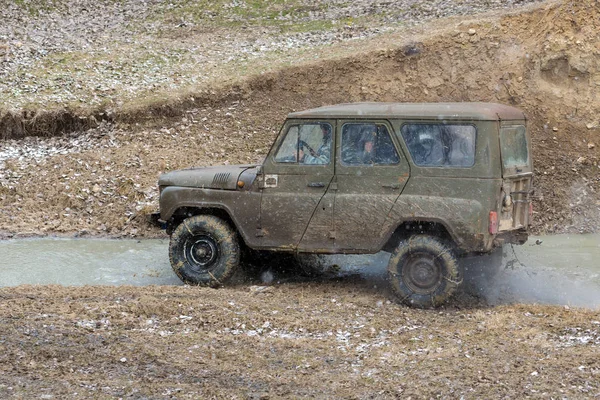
(493, 222)
(531, 210)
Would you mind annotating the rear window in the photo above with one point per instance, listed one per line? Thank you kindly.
(440, 145)
(513, 144)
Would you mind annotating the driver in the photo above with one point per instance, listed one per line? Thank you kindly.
(307, 155)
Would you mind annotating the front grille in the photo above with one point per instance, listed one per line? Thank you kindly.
(220, 179)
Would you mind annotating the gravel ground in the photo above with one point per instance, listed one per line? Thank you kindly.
(334, 339)
(103, 53)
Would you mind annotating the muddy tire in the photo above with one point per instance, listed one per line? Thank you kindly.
(424, 271)
(204, 250)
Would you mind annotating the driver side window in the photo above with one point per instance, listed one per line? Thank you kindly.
(308, 144)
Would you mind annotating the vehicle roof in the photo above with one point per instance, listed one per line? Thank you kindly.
(474, 111)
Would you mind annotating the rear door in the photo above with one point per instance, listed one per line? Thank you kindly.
(517, 176)
(370, 175)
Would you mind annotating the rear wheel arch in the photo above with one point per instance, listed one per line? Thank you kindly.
(408, 228)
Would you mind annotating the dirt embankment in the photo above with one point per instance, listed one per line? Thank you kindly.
(337, 339)
(66, 66)
(543, 60)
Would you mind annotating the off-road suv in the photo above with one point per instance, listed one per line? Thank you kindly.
(427, 182)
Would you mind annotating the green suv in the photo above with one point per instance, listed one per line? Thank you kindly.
(427, 182)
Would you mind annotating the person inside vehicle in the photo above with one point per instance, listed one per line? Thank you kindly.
(358, 144)
(367, 146)
(322, 155)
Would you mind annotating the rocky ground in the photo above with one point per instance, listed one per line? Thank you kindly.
(105, 53)
(333, 339)
(102, 181)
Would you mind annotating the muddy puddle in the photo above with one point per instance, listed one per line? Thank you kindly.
(561, 269)
(85, 262)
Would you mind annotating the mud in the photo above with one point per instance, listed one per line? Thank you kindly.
(75, 262)
(340, 338)
(558, 269)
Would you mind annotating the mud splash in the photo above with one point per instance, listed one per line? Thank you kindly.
(562, 269)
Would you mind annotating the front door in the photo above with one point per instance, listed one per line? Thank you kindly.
(370, 175)
(296, 176)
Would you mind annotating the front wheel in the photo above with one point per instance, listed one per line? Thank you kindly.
(204, 250)
(423, 271)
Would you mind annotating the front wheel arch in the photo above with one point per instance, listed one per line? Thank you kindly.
(189, 211)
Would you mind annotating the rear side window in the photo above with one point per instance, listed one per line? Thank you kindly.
(513, 143)
(440, 145)
(367, 144)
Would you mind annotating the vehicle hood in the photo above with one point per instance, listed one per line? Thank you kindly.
(219, 177)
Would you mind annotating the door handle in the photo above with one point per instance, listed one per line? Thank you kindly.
(316, 184)
(392, 186)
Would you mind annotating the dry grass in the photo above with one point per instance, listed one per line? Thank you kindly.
(327, 339)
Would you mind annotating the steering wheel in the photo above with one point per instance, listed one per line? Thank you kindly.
(302, 144)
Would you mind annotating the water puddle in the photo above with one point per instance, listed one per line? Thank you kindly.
(561, 269)
(72, 262)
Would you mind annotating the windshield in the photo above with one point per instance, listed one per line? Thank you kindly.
(513, 143)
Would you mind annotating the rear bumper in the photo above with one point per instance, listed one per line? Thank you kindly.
(517, 236)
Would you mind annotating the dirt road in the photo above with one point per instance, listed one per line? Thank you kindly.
(337, 337)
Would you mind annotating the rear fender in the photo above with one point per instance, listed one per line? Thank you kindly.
(460, 220)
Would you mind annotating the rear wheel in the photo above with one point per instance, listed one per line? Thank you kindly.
(204, 250)
(423, 271)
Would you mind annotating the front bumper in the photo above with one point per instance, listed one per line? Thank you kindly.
(154, 219)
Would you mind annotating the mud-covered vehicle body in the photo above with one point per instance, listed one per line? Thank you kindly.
(427, 182)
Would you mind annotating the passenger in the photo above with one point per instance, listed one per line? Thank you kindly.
(367, 147)
(358, 144)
